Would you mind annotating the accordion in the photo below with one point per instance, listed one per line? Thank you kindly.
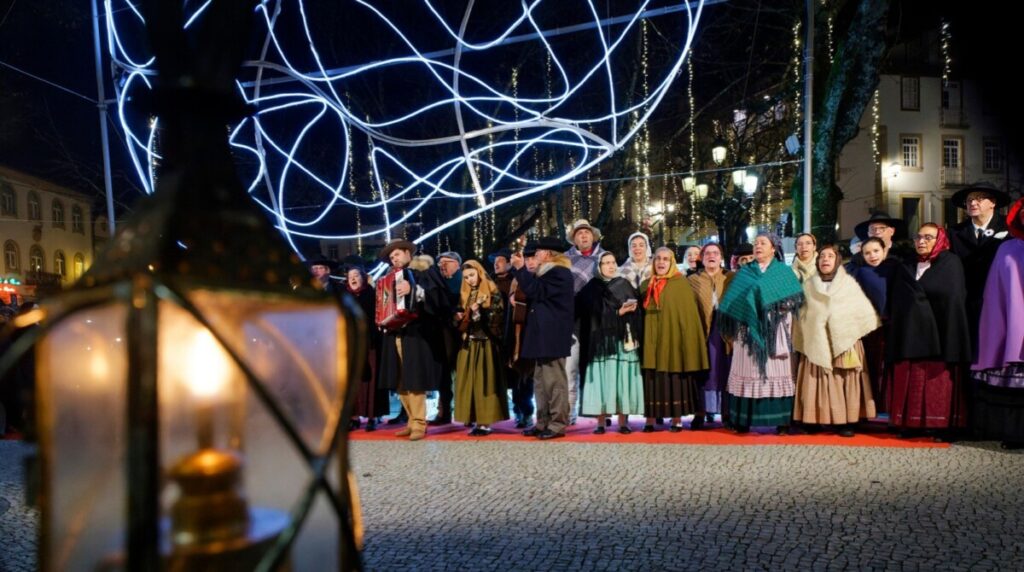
(394, 311)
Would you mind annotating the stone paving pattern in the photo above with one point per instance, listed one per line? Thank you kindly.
(560, 506)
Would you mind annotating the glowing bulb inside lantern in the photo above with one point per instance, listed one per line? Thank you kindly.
(207, 366)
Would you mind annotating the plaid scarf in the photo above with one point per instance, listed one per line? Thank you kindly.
(756, 302)
(583, 266)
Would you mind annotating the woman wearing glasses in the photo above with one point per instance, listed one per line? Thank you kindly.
(929, 341)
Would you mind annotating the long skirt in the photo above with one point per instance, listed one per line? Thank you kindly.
(718, 374)
(874, 358)
(749, 412)
(671, 394)
(926, 394)
(835, 397)
(480, 392)
(998, 411)
(614, 385)
(371, 401)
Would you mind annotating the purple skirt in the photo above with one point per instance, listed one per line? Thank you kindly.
(718, 374)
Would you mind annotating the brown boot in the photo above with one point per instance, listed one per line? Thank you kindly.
(404, 432)
(417, 435)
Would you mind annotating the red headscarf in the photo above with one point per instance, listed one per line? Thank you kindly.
(658, 282)
(941, 244)
(1013, 219)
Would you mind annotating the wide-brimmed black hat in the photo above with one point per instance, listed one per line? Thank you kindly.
(321, 260)
(745, 249)
(999, 196)
(396, 245)
(530, 249)
(550, 243)
(506, 252)
(861, 230)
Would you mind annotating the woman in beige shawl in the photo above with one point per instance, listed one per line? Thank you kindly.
(806, 254)
(832, 384)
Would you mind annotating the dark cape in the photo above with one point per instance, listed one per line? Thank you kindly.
(874, 280)
(928, 317)
(423, 345)
(976, 256)
(601, 326)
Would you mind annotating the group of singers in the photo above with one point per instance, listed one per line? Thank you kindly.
(935, 341)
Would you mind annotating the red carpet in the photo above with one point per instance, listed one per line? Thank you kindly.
(874, 435)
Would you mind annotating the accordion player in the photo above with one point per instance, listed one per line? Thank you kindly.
(394, 311)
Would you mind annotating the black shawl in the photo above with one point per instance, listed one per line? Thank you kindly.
(602, 328)
(928, 317)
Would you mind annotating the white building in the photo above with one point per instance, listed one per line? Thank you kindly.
(932, 138)
(46, 231)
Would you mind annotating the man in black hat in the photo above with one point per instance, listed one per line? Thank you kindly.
(521, 369)
(411, 361)
(549, 332)
(975, 240)
(879, 225)
(321, 267)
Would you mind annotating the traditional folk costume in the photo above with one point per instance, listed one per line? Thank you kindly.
(832, 383)
(874, 281)
(613, 382)
(480, 389)
(998, 370)
(675, 352)
(757, 313)
(929, 341)
(709, 291)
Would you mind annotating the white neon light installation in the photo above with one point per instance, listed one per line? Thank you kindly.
(481, 153)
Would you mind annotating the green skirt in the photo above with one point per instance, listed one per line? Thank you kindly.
(480, 392)
(614, 385)
(760, 412)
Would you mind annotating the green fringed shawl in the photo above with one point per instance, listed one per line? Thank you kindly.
(756, 302)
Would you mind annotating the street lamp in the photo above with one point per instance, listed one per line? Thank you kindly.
(193, 387)
(718, 151)
(750, 184)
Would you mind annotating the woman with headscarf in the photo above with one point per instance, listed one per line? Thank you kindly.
(480, 392)
(998, 370)
(608, 309)
(637, 267)
(675, 347)
(929, 339)
(371, 401)
(709, 284)
(873, 270)
(806, 254)
(832, 384)
(756, 314)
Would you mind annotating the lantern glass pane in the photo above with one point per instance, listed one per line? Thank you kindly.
(81, 376)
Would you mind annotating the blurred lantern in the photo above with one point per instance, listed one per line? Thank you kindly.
(193, 387)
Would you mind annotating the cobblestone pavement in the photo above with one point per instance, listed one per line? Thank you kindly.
(560, 506)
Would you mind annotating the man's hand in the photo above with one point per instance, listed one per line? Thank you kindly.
(517, 260)
(402, 289)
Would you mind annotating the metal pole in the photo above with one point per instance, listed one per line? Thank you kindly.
(101, 105)
(808, 113)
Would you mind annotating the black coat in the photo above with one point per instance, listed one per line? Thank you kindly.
(976, 256)
(928, 317)
(549, 323)
(423, 347)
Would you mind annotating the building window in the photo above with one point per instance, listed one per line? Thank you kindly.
(35, 259)
(952, 161)
(35, 209)
(910, 93)
(8, 201)
(910, 146)
(993, 156)
(59, 266)
(76, 220)
(58, 214)
(332, 251)
(12, 257)
(79, 267)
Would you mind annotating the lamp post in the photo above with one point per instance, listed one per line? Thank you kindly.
(193, 387)
(729, 202)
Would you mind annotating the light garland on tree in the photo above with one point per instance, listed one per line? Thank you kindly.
(947, 60)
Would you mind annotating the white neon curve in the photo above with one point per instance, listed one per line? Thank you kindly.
(481, 107)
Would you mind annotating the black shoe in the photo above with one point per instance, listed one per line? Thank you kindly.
(549, 434)
(625, 430)
(675, 429)
(371, 425)
(439, 421)
(698, 423)
(711, 418)
(599, 430)
(743, 430)
(479, 432)
(648, 428)
(532, 432)
(607, 422)
(846, 432)
(782, 430)
(353, 424)
(521, 424)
